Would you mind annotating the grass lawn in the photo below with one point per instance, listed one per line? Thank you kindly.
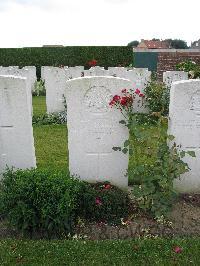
(39, 105)
(107, 252)
(51, 146)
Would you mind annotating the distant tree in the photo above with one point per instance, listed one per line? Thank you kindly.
(177, 43)
(154, 39)
(133, 43)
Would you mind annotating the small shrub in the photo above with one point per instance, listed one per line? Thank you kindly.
(103, 202)
(50, 119)
(157, 96)
(39, 88)
(50, 203)
(191, 67)
(40, 201)
(153, 180)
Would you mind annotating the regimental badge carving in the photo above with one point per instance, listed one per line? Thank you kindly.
(97, 99)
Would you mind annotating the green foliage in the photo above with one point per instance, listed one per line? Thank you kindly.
(39, 88)
(153, 180)
(177, 43)
(50, 119)
(133, 43)
(40, 201)
(191, 67)
(103, 202)
(157, 96)
(50, 203)
(69, 56)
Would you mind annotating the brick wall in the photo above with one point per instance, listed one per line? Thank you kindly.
(168, 60)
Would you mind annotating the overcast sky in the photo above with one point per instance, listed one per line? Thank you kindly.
(28, 23)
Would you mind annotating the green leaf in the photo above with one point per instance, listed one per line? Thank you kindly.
(191, 153)
(182, 154)
(122, 122)
(171, 137)
(116, 148)
(125, 150)
(126, 143)
(130, 152)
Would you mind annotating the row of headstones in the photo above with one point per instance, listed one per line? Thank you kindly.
(28, 72)
(94, 128)
(55, 79)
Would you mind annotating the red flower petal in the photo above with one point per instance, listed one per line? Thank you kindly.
(178, 249)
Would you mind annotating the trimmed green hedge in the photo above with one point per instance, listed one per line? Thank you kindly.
(68, 56)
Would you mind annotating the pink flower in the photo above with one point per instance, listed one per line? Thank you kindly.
(107, 186)
(141, 95)
(137, 91)
(98, 201)
(178, 249)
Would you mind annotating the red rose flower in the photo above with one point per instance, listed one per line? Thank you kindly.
(116, 98)
(137, 91)
(141, 95)
(92, 63)
(124, 101)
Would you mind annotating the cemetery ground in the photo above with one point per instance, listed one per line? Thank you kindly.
(51, 152)
(161, 243)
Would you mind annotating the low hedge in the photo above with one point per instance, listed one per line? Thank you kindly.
(69, 56)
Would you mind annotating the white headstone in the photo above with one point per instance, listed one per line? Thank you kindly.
(172, 76)
(76, 72)
(32, 75)
(184, 125)
(139, 77)
(96, 71)
(94, 129)
(16, 132)
(24, 72)
(55, 79)
(117, 71)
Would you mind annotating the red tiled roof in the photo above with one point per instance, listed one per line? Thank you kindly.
(156, 44)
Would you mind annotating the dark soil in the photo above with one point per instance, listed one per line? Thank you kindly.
(184, 220)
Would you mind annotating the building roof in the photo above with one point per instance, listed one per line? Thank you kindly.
(155, 44)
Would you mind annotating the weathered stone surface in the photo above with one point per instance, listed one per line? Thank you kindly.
(76, 72)
(96, 71)
(117, 71)
(139, 77)
(94, 129)
(172, 76)
(184, 125)
(16, 133)
(55, 79)
(28, 72)
(32, 75)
